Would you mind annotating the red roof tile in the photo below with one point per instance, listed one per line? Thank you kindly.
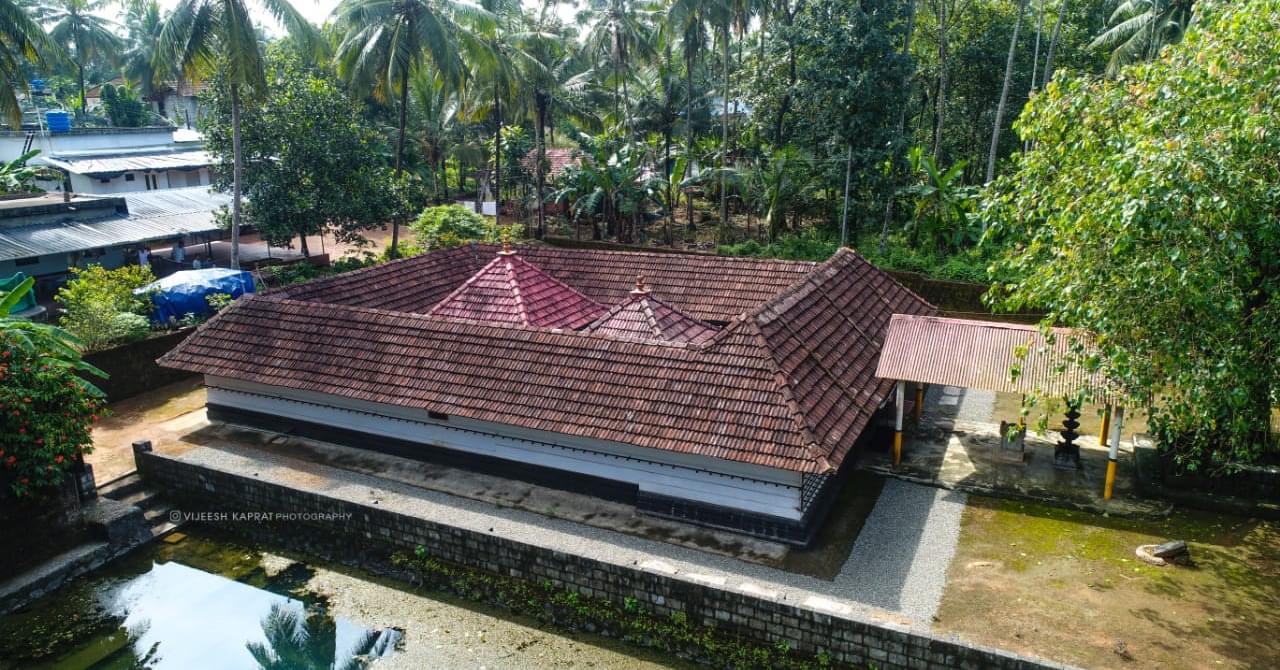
(710, 288)
(642, 316)
(510, 290)
(790, 384)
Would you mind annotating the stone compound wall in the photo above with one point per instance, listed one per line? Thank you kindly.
(132, 367)
(759, 616)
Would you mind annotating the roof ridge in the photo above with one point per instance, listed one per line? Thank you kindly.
(651, 317)
(513, 282)
(789, 399)
(553, 278)
(463, 286)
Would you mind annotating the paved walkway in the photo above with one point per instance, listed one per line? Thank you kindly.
(895, 571)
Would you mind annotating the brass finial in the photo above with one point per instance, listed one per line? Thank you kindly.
(506, 242)
(640, 286)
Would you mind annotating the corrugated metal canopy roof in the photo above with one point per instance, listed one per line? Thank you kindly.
(119, 163)
(980, 355)
(153, 215)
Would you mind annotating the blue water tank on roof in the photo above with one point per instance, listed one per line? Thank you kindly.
(59, 121)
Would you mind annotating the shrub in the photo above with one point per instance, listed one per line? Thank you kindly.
(46, 415)
(95, 297)
(451, 225)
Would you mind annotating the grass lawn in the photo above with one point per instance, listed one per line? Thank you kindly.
(1066, 585)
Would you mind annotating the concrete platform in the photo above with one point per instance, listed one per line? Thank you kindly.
(921, 525)
(956, 446)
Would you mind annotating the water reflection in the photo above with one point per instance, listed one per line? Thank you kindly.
(184, 618)
(177, 617)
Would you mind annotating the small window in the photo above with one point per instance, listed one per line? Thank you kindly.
(32, 260)
(105, 180)
(128, 176)
(439, 416)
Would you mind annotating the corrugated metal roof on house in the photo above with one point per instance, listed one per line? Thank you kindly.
(114, 164)
(981, 355)
(153, 215)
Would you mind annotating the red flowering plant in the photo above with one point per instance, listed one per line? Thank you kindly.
(46, 418)
(47, 410)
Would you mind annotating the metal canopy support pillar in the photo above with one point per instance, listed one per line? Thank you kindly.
(1116, 426)
(897, 422)
(919, 407)
(1106, 425)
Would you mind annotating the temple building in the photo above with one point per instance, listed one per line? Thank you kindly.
(726, 392)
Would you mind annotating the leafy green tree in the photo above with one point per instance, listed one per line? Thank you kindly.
(21, 40)
(201, 36)
(123, 106)
(383, 42)
(451, 225)
(1147, 212)
(100, 307)
(312, 165)
(78, 27)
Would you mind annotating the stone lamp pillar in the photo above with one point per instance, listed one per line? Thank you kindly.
(1067, 454)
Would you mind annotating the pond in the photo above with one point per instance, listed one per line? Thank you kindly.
(200, 601)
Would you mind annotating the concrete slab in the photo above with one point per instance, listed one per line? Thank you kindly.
(956, 446)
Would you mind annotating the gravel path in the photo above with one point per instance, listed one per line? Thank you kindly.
(898, 564)
(899, 561)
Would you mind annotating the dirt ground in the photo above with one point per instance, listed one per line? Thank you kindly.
(142, 417)
(1066, 585)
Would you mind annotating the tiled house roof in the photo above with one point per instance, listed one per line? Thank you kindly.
(710, 288)
(788, 384)
(510, 290)
(642, 316)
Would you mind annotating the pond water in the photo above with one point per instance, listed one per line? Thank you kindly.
(205, 602)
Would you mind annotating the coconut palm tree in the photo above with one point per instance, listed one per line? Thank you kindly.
(144, 66)
(1140, 28)
(688, 18)
(499, 70)
(21, 38)
(201, 35)
(382, 42)
(619, 32)
(1004, 92)
(85, 35)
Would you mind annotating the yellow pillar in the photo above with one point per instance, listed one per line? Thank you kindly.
(1106, 425)
(1116, 426)
(919, 408)
(897, 423)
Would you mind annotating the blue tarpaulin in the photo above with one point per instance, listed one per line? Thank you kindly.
(185, 292)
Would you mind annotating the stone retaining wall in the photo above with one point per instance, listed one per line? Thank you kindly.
(759, 616)
(132, 367)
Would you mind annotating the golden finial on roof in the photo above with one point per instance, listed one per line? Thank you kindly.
(506, 242)
(640, 286)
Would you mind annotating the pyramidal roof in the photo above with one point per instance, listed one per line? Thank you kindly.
(512, 290)
(644, 317)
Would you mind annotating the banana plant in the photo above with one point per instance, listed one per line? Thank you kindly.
(16, 176)
(55, 345)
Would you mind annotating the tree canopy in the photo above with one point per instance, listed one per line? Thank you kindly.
(1148, 213)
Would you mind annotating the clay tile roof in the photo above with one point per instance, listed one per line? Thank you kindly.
(511, 290)
(644, 317)
(711, 288)
(558, 160)
(789, 383)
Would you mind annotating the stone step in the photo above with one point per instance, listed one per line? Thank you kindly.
(121, 487)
